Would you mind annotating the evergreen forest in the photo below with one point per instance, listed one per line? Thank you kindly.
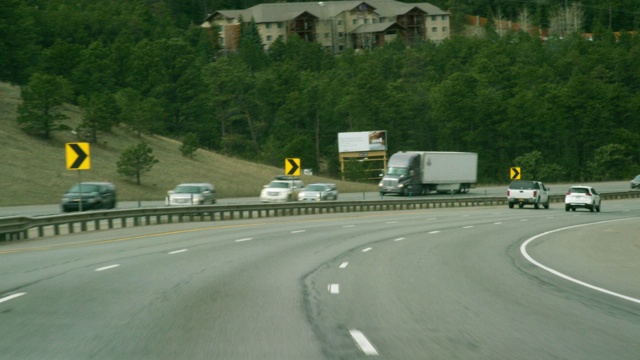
(566, 109)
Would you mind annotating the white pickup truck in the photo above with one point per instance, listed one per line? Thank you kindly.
(526, 192)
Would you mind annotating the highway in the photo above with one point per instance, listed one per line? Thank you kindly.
(486, 191)
(453, 283)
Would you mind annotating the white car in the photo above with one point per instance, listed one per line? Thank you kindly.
(192, 194)
(580, 196)
(283, 189)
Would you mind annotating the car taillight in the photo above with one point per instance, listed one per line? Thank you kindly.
(508, 192)
(588, 193)
(535, 194)
(568, 192)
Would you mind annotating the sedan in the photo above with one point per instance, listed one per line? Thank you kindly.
(319, 192)
(635, 183)
(582, 197)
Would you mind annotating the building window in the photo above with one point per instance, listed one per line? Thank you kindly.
(340, 34)
(444, 17)
(383, 19)
(326, 35)
(374, 21)
(366, 21)
(280, 25)
(444, 29)
(434, 18)
(339, 21)
(355, 21)
(269, 38)
(267, 25)
(434, 29)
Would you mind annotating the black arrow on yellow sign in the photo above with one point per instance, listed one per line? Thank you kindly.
(515, 173)
(78, 156)
(292, 166)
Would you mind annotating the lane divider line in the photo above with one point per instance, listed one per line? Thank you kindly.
(107, 267)
(367, 249)
(344, 265)
(298, 231)
(434, 232)
(178, 251)
(399, 239)
(523, 251)
(245, 239)
(10, 297)
(334, 288)
(363, 343)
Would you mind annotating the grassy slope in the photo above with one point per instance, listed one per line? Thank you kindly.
(34, 171)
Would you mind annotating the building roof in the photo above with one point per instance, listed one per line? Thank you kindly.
(276, 12)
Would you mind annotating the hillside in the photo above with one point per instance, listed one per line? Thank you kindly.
(34, 170)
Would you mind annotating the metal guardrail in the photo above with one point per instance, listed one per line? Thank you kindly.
(24, 227)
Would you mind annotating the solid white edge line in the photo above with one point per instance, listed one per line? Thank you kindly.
(10, 297)
(523, 251)
(363, 343)
(177, 251)
(107, 267)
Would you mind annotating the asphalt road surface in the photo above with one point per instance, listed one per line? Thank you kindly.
(455, 283)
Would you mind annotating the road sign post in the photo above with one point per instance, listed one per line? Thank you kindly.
(78, 158)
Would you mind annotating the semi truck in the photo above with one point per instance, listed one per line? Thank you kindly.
(412, 173)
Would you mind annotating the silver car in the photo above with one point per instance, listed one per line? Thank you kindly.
(319, 192)
(192, 194)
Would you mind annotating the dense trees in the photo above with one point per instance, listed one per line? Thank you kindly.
(569, 108)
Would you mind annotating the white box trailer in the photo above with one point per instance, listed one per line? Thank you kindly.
(421, 172)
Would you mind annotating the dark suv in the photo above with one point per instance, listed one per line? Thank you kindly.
(88, 196)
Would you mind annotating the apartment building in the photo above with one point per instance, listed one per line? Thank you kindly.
(336, 25)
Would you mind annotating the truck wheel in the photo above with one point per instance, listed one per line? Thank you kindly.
(567, 207)
(536, 206)
(546, 205)
(510, 205)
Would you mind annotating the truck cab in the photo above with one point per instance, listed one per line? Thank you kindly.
(403, 175)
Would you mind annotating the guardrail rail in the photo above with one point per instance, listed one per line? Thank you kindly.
(25, 227)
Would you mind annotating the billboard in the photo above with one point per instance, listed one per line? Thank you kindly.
(362, 141)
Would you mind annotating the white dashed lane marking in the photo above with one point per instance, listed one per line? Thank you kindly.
(245, 239)
(344, 265)
(10, 297)
(298, 231)
(178, 251)
(107, 267)
(334, 288)
(363, 343)
(367, 249)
